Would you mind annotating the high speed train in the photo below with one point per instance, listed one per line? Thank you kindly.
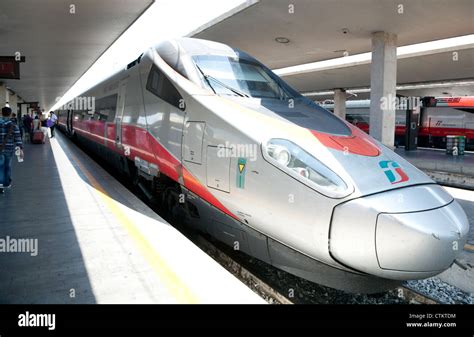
(235, 152)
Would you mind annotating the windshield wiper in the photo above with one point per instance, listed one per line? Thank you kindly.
(235, 91)
(207, 80)
(209, 77)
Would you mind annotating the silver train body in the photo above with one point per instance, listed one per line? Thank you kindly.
(269, 172)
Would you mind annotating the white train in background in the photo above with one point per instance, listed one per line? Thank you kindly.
(440, 118)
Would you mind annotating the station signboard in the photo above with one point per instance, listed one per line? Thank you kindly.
(9, 68)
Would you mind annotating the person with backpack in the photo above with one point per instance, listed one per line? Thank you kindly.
(14, 119)
(10, 139)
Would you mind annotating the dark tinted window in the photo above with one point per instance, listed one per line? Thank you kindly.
(159, 85)
(105, 108)
(303, 112)
(78, 115)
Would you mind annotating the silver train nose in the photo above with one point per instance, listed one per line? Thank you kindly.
(409, 233)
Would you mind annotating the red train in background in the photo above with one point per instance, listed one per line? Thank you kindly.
(438, 118)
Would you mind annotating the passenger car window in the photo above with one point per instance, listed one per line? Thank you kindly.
(105, 108)
(159, 85)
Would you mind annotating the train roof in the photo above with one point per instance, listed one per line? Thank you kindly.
(186, 46)
(466, 101)
(178, 53)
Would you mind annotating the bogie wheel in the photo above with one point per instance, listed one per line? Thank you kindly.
(172, 210)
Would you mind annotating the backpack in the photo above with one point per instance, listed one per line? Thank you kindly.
(9, 133)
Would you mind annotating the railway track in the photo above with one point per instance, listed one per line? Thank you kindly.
(260, 287)
(405, 294)
(271, 295)
(414, 297)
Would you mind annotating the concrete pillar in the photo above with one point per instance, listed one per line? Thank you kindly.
(24, 109)
(340, 103)
(3, 95)
(13, 100)
(383, 81)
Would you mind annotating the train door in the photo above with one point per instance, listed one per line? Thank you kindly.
(119, 114)
(469, 131)
(412, 128)
(69, 118)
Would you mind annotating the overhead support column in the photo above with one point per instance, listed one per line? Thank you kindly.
(3, 95)
(24, 109)
(13, 102)
(383, 82)
(340, 103)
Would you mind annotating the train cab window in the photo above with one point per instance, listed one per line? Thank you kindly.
(159, 85)
(241, 77)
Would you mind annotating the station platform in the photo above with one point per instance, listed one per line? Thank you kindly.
(443, 168)
(86, 239)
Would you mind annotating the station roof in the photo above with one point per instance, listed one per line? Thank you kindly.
(315, 31)
(436, 67)
(60, 46)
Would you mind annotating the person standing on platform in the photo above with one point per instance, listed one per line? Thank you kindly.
(54, 120)
(28, 125)
(44, 126)
(37, 128)
(36, 123)
(10, 139)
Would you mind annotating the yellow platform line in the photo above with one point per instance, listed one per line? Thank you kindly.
(177, 287)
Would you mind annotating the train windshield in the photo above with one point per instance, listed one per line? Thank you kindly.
(239, 77)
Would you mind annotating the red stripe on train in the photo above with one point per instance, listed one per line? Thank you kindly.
(456, 101)
(427, 131)
(145, 146)
(191, 183)
(357, 143)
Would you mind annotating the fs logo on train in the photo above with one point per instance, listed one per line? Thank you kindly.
(393, 171)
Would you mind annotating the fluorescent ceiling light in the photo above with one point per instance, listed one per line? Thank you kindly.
(419, 49)
(409, 86)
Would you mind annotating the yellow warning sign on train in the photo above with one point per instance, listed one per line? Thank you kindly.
(241, 163)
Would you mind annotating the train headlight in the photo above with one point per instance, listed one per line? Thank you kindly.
(301, 165)
(280, 154)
